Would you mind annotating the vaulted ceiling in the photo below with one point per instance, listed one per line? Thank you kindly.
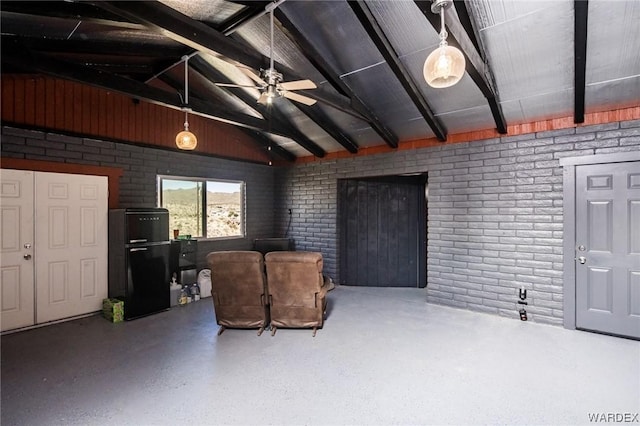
(525, 61)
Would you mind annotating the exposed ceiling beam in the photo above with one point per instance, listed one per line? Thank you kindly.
(581, 13)
(103, 47)
(477, 67)
(313, 56)
(259, 137)
(467, 24)
(383, 44)
(315, 114)
(17, 55)
(269, 145)
(322, 120)
(69, 10)
(183, 29)
(268, 112)
(246, 15)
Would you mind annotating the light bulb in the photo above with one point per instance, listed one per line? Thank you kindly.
(443, 64)
(186, 140)
(444, 67)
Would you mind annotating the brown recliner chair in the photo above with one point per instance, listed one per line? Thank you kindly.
(297, 289)
(238, 289)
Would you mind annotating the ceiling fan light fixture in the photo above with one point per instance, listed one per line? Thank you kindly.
(444, 66)
(271, 93)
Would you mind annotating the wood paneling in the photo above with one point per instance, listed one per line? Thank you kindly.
(112, 173)
(54, 104)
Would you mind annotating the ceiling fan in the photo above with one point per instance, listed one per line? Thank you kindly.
(269, 81)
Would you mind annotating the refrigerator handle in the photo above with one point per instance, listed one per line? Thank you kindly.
(137, 241)
(138, 249)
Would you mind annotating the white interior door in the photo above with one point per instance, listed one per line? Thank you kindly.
(71, 244)
(16, 263)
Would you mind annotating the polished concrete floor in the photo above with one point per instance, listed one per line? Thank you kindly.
(384, 357)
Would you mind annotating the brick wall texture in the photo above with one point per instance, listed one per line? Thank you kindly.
(495, 206)
(495, 213)
(141, 166)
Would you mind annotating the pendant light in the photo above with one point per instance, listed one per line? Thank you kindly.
(185, 139)
(445, 66)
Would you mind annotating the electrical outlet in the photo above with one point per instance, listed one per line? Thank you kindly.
(522, 294)
(523, 315)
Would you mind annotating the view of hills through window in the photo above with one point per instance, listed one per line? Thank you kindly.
(223, 210)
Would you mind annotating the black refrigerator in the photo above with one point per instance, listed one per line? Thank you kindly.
(139, 259)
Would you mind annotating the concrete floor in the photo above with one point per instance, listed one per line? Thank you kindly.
(383, 357)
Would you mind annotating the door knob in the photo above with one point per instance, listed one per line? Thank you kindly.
(582, 260)
(27, 256)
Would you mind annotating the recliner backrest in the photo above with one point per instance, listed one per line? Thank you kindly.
(297, 290)
(296, 277)
(238, 288)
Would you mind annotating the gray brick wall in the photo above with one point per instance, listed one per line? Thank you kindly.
(494, 213)
(141, 165)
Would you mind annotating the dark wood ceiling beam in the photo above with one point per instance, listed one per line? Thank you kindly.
(15, 54)
(207, 71)
(294, 34)
(477, 68)
(181, 28)
(315, 114)
(258, 137)
(322, 120)
(581, 14)
(69, 10)
(103, 47)
(268, 145)
(467, 24)
(379, 38)
(246, 15)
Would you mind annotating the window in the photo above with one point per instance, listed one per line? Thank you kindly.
(203, 208)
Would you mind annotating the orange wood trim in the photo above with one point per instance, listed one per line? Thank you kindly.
(112, 173)
(604, 117)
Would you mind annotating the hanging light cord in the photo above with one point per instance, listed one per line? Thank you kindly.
(443, 29)
(186, 91)
(271, 46)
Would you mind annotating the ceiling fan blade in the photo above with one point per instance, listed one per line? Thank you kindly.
(298, 85)
(234, 85)
(299, 98)
(263, 98)
(253, 76)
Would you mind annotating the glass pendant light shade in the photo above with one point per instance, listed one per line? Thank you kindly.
(444, 67)
(186, 140)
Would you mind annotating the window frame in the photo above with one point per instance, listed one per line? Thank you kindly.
(203, 202)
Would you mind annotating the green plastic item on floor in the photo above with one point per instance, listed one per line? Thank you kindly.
(113, 309)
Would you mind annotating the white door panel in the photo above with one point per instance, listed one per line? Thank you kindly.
(71, 236)
(16, 265)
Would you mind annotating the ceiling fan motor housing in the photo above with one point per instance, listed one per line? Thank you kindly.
(271, 76)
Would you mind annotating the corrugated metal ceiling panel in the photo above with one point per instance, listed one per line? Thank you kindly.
(530, 49)
(466, 120)
(613, 74)
(336, 33)
(379, 88)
